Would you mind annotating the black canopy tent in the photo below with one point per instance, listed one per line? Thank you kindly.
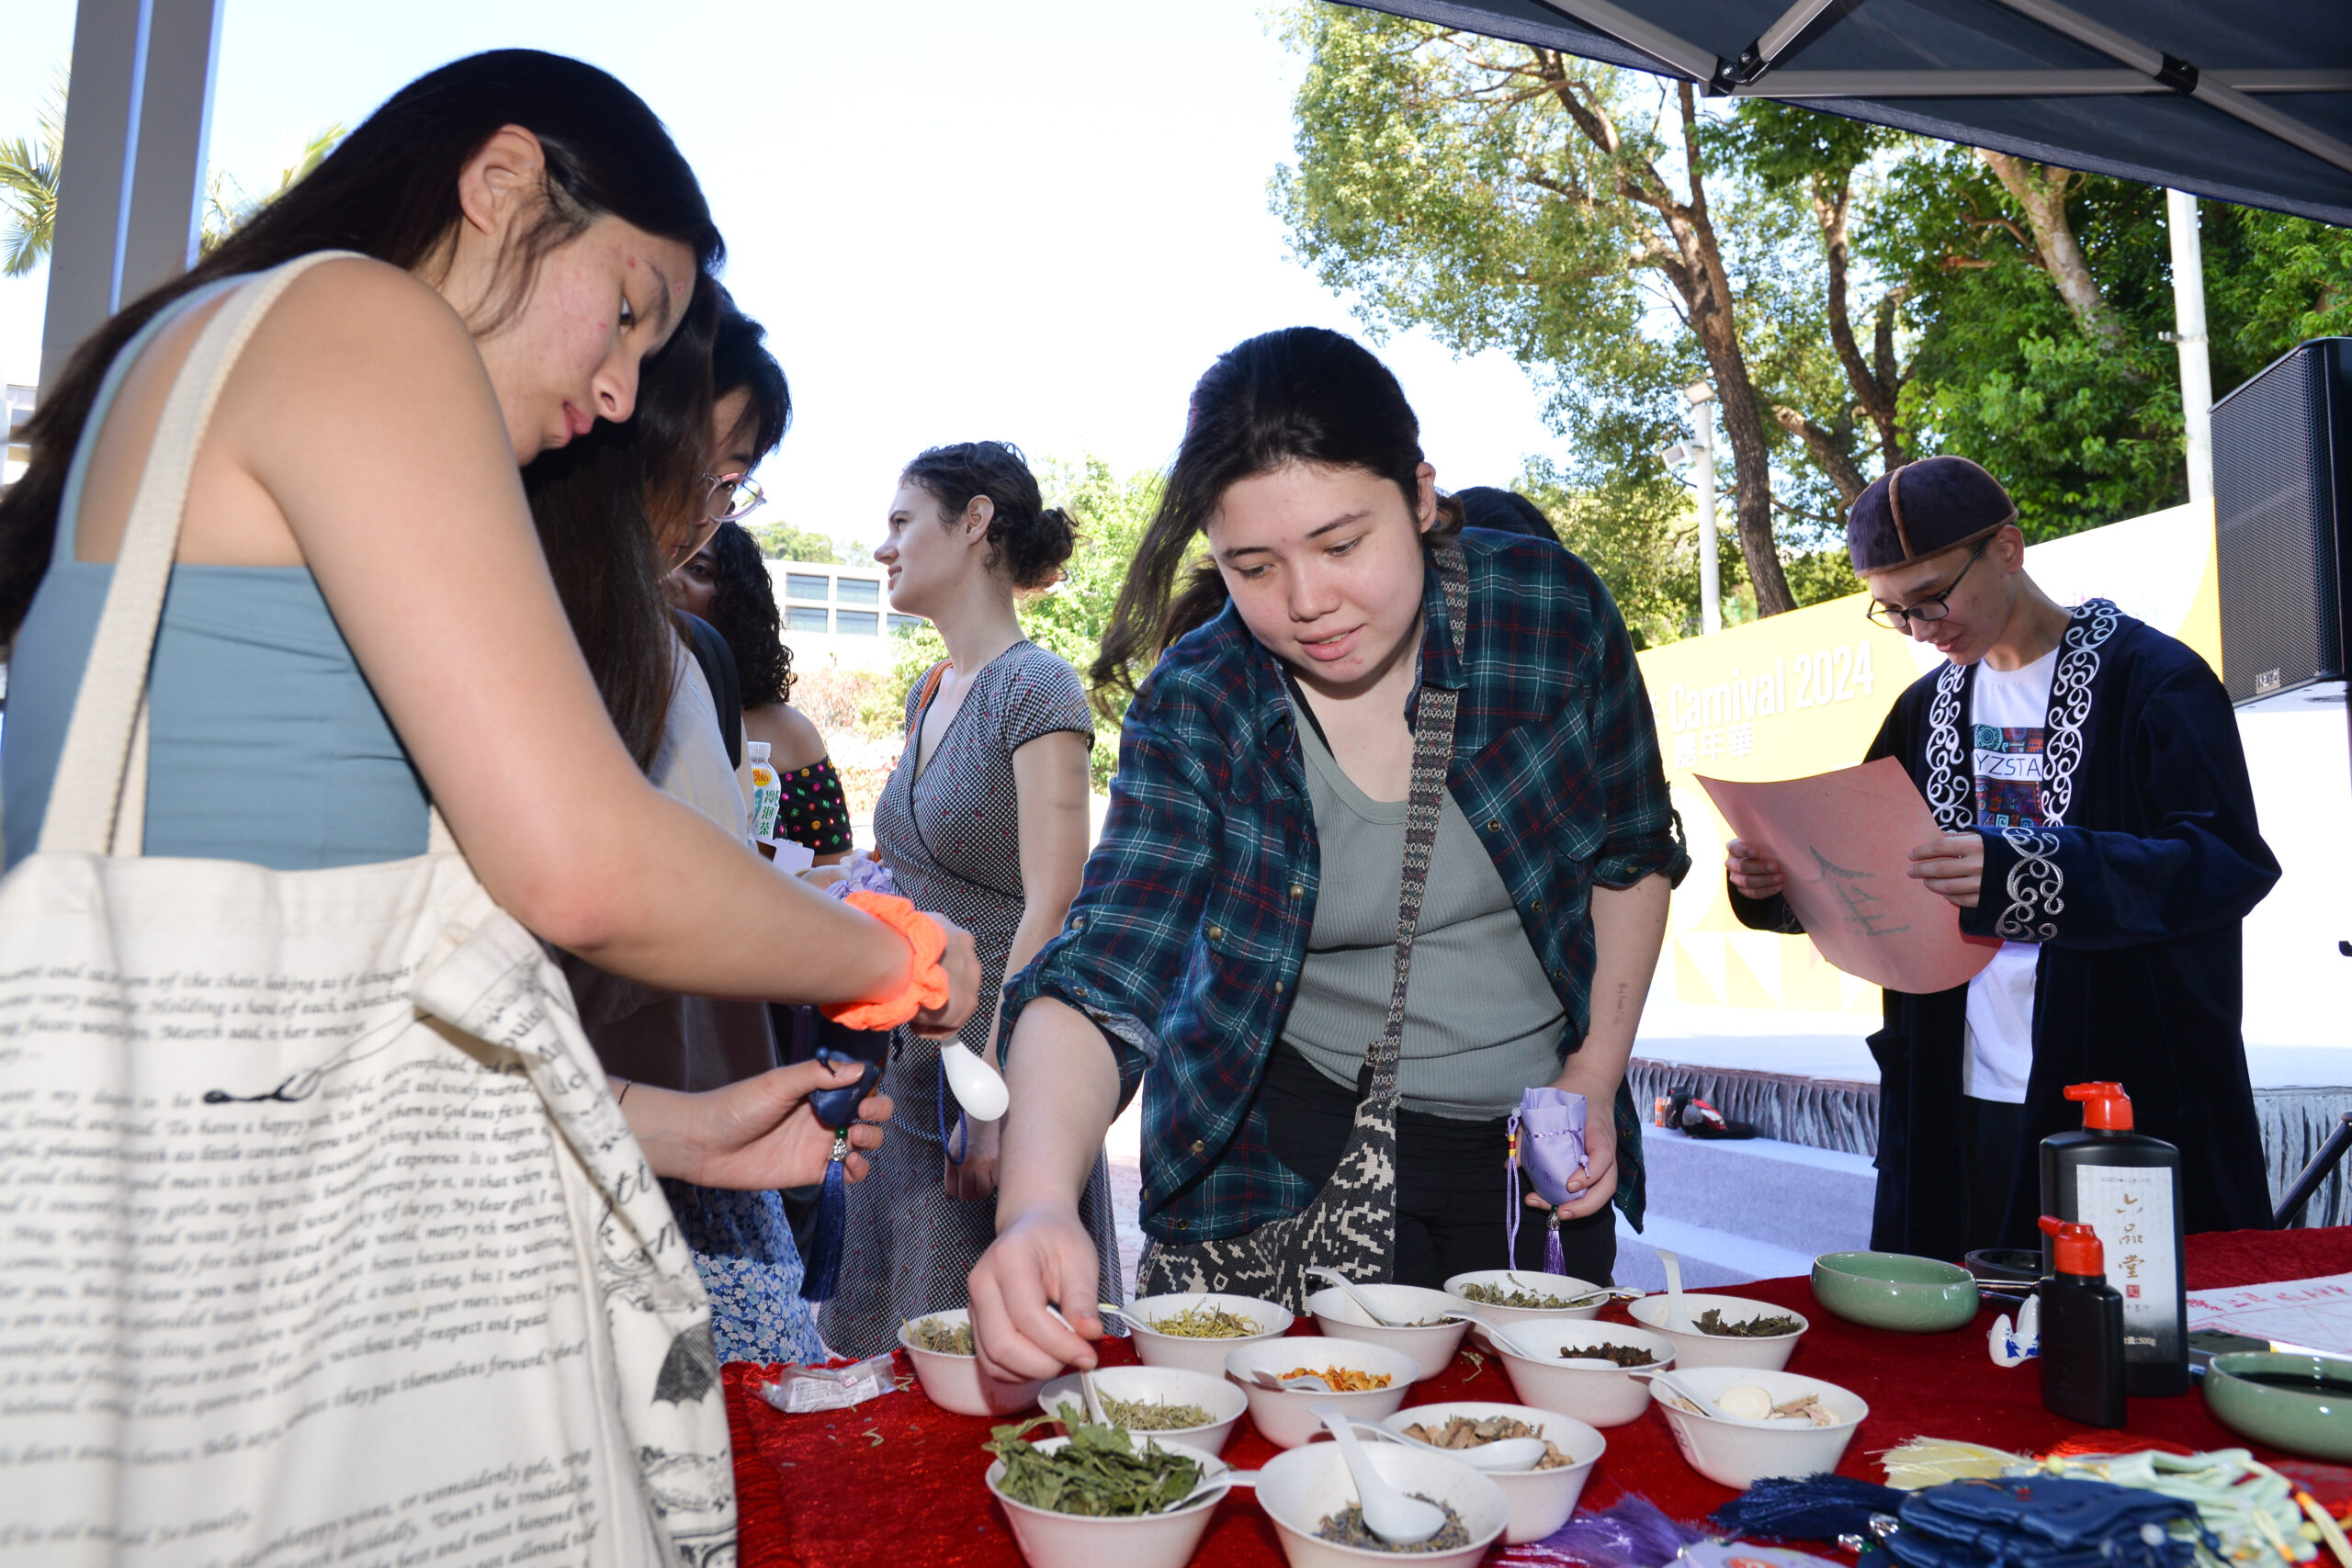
(2247, 102)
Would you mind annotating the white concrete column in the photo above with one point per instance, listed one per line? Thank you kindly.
(130, 187)
(2189, 337)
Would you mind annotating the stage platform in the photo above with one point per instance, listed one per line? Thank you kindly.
(1808, 1079)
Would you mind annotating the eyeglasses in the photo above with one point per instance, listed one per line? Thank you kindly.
(727, 498)
(1894, 618)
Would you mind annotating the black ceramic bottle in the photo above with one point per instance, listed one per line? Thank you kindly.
(2082, 1330)
(2126, 1186)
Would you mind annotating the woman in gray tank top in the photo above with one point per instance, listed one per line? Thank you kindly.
(361, 618)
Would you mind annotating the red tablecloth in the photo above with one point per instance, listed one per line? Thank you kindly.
(896, 1481)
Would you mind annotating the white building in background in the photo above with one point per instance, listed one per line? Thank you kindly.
(836, 615)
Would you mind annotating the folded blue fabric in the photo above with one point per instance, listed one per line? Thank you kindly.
(2040, 1521)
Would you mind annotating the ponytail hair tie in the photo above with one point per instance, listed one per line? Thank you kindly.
(925, 988)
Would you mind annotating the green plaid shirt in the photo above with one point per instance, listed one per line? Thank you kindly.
(1185, 944)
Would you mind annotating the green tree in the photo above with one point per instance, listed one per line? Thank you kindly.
(1508, 197)
(29, 168)
(782, 541)
(229, 206)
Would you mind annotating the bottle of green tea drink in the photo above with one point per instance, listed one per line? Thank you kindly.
(767, 791)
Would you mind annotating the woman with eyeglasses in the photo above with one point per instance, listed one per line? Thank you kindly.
(725, 585)
(984, 818)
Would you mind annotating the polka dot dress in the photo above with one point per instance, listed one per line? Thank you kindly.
(953, 843)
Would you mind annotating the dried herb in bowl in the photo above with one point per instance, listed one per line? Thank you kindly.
(1142, 1415)
(1464, 1432)
(938, 1335)
(1624, 1355)
(1098, 1473)
(1206, 1322)
(1497, 1297)
(1711, 1322)
(1347, 1527)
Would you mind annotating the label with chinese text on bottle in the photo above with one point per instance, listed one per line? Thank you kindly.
(2130, 1208)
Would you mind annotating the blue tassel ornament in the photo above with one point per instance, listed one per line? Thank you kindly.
(821, 1270)
(1813, 1508)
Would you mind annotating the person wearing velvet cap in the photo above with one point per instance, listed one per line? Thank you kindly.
(2096, 817)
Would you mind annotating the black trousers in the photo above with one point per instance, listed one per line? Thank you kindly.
(1450, 1201)
(1989, 1133)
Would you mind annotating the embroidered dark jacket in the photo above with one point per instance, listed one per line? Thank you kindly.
(1185, 944)
(2137, 891)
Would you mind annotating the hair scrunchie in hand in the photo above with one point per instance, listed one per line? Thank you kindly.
(928, 985)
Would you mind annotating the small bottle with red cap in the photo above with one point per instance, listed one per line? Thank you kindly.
(2082, 1329)
(2126, 1187)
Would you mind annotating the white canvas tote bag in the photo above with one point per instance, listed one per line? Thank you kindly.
(322, 1240)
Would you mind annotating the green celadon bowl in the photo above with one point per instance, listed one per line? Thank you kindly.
(2299, 1421)
(1895, 1290)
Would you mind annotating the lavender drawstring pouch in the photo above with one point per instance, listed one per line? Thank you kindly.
(1547, 1141)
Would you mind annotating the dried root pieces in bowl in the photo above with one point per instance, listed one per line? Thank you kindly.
(1749, 1402)
(1463, 1432)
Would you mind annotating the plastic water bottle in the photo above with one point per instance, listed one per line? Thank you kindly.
(767, 791)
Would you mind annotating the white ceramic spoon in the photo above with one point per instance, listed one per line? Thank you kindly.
(1678, 1316)
(1395, 1519)
(1506, 1454)
(978, 1088)
(1348, 1288)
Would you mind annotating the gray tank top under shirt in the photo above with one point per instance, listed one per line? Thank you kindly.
(1481, 1020)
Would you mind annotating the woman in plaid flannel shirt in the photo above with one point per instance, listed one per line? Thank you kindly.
(1193, 953)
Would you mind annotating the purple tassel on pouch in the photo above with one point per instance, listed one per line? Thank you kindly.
(1555, 1260)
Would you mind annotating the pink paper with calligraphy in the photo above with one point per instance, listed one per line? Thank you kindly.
(1844, 842)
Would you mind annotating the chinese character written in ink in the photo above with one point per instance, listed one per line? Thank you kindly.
(1863, 908)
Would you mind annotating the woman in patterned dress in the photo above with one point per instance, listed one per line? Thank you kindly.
(985, 818)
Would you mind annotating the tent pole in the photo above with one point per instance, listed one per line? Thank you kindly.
(2189, 336)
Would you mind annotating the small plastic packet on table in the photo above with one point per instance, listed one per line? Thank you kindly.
(831, 1388)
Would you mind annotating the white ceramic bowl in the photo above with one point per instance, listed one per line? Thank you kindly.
(1432, 1347)
(956, 1382)
(1545, 1367)
(1283, 1416)
(1696, 1349)
(1302, 1488)
(1540, 1500)
(1146, 1540)
(1200, 1355)
(1560, 1287)
(1161, 1385)
(1738, 1453)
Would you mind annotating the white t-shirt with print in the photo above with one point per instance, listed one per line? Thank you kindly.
(2009, 711)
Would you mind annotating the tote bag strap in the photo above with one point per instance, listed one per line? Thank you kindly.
(97, 801)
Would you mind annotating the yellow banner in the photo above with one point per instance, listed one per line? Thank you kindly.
(1805, 693)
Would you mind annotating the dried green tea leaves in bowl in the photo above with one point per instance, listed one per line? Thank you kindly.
(1529, 1300)
(1206, 1322)
(1347, 1527)
(1711, 1322)
(1467, 1432)
(1624, 1355)
(1098, 1473)
(938, 1335)
(1143, 1414)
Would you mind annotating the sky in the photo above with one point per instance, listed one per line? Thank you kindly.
(1036, 221)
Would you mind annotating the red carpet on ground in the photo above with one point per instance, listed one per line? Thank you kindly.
(896, 1481)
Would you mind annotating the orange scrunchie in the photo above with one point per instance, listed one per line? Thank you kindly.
(928, 989)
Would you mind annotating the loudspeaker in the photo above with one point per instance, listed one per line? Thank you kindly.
(2282, 513)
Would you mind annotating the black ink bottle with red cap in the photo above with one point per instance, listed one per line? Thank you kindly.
(2082, 1330)
(2126, 1186)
